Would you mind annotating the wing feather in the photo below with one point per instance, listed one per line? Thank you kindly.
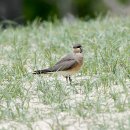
(64, 65)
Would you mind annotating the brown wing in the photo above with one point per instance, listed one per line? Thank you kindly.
(61, 66)
(68, 57)
(65, 63)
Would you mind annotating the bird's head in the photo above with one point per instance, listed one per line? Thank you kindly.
(77, 48)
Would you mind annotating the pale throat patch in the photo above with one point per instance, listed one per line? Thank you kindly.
(77, 50)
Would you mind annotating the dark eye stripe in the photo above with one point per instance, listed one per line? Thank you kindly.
(76, 46)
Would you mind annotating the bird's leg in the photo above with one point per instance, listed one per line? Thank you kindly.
(66, 78)
(70, 79)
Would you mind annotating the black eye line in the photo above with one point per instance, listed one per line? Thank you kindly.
(77, 47)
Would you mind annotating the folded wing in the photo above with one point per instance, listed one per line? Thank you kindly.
(64, 64)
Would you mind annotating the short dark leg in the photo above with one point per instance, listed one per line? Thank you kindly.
(70, 79)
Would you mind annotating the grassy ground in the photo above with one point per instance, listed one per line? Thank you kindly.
(99, 97)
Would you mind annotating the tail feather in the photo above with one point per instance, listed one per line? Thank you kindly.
(45, 71)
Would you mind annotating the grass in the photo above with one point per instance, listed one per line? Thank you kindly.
(99, 97)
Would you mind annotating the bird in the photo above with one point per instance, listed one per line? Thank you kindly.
(67, 65)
